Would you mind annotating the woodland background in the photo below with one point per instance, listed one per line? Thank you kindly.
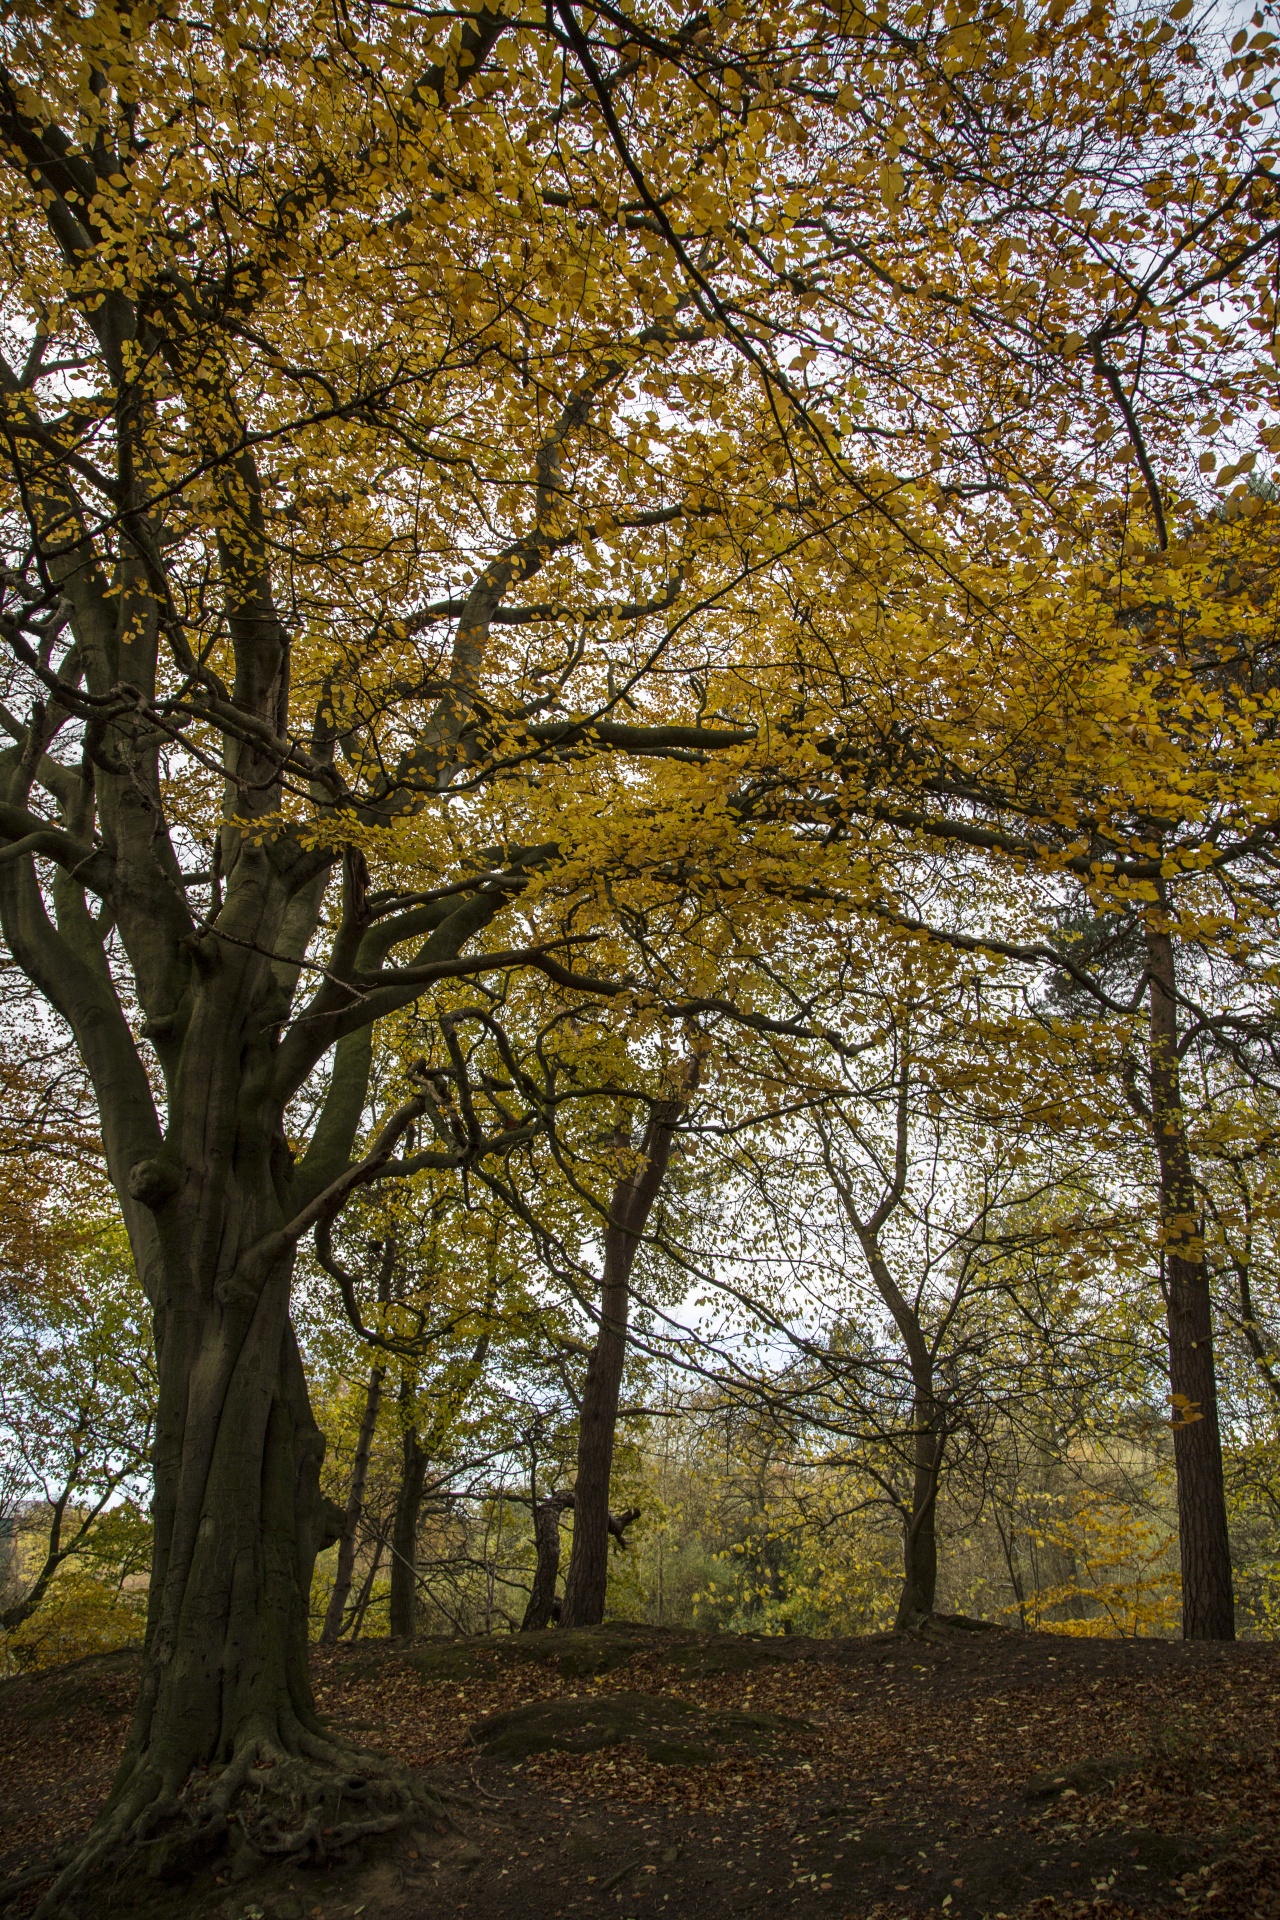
(770, 1480)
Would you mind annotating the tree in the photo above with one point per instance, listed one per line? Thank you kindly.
(928, 1297)
(542, 1607)
(631, 1204)
(277, 711)
(358, 600)
(353, 1510)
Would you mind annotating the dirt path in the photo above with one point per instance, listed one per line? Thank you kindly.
(631, 1775)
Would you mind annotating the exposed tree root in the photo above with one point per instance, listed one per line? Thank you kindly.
(310, 1807)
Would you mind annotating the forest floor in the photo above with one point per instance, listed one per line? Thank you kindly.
(632, 1774)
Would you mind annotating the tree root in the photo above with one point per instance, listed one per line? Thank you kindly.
(310, 1807)
(304, 1810)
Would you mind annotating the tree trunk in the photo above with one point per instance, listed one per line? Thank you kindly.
(354, 1509)
(366, 1590)
(588, 1574)
(919, 1535)
(546, 1539)
(404, 1527)
(633, 1198)
(1208, 1607)
(239, 1519)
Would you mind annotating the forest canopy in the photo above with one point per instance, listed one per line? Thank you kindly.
(638, 839)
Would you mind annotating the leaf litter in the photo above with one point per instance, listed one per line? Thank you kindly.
(634, 1774)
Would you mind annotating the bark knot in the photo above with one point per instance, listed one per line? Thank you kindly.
(153, 1182)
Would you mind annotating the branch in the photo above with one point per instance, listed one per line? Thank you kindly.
(29, 834)
(1136, 441)
(251, 1271)
(633, 739)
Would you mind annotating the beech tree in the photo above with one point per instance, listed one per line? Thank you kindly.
(313, 366)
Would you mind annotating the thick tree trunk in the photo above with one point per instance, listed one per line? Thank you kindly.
(354, 1509)
(404, 1527)
(919, 1534)
(546, 1540)
(1208, 1606)
(633, 1198)
(239, 1519)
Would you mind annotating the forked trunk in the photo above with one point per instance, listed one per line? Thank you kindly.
(1208, 1606)
(225, 1700)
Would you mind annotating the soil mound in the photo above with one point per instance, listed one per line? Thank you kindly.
(668, 1731)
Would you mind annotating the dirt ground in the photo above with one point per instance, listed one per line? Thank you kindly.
(629, 1774)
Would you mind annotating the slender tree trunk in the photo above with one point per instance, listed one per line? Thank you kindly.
(404, 1527)
(546, 1539)
(919, 1536)
(353, 1510)
(588, 1574)
(633, 1198)
(366, 1591)
(1208, 1606)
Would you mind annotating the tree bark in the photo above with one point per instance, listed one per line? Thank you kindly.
(919, 1534)
(404, 1527)
(1208, 1605)
(354, 1509)
(546, 1540)
(632, 1203)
